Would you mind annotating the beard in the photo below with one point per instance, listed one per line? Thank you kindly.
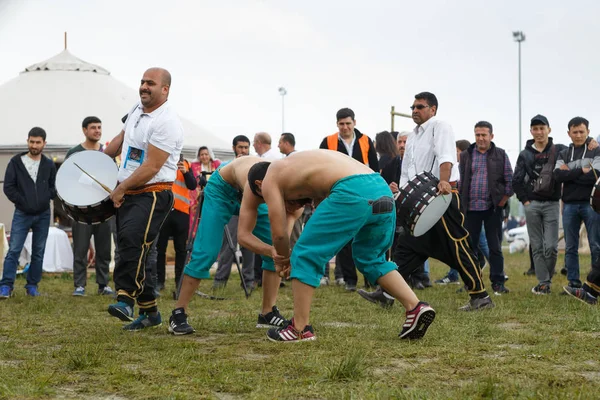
(35, 152)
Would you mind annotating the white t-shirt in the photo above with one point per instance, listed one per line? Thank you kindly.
(32, 166)
(160, 128)
(272, 154)
(430, 145)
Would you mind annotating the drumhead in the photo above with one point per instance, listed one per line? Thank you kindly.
(76, 188)
(432, 214)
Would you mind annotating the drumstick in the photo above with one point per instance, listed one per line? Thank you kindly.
(94, 179)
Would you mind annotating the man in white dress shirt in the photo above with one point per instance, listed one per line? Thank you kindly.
(262, 146)
(432, 148)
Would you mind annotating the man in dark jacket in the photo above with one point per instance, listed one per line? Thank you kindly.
(29, 184)
(350, 141)
(485, 186)
(542, 210)
(577, 168)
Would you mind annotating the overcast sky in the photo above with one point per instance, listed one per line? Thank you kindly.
(229, 57)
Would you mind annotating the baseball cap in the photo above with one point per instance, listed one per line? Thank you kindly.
(539, 120)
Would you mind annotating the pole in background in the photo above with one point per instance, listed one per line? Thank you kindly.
(519, 37)
(282, 92)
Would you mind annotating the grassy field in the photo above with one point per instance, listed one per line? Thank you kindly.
(528, 347)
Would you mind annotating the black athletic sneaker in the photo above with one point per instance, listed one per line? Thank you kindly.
(499, 289)
(581, 295)
(541, 289)
(417, 321)
(476, 304)
(377, 297)
(274, 319)
(178, 324)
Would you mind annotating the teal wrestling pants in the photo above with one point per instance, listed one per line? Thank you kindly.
(221, 202)
(359, 207)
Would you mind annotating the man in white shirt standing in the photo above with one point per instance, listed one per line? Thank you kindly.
(262, 146)
(432, 148)
(150, 145)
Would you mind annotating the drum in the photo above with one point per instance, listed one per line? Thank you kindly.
(595, 197)
(418, 205)
(84, 199)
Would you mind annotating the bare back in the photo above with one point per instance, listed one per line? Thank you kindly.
(236, 172)
(311, 174)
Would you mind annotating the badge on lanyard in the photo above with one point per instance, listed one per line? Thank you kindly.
(134, 158)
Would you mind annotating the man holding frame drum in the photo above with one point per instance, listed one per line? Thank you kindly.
(150, 145)
(431, 148)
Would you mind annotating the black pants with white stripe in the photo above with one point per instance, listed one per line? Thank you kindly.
(138, 223)
(447, 241)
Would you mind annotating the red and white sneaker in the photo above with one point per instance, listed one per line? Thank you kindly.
(290, 334)
(417, 321)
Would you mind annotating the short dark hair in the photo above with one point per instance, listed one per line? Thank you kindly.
(578, 121)
(462, 145)
(289, 137)
(37, 132)
(394, 134)
(90, 120)
(240, 138)
(385, 144)
(344, 113)
(257, 173)
(429, 98)
(484, 124)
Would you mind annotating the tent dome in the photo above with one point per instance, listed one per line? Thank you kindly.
(56, 94)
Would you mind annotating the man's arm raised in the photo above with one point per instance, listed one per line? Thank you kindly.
(247, 222)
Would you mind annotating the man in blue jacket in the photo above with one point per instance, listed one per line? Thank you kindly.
(29, 184)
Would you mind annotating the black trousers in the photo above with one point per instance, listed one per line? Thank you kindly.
(592, 282)
(344, 260)
(177, 226)
(492, 221)
(138, 222)
(447, 241)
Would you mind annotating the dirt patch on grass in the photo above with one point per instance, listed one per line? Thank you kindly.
(497, 355)
(256, 357)
(11, 363)
(591, 375)
(336, 324)
(510, 325)
(228, 396)
(513, 346)
(207, 339)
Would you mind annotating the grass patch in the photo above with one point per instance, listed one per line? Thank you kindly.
(528, 347)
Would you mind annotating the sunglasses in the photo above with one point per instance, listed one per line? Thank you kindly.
(418, 107)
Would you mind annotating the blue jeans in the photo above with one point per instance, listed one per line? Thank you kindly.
(21, 224)
(573, 215)
(483, 246)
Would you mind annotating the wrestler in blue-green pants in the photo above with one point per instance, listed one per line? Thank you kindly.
(221, 202)
(359, 207)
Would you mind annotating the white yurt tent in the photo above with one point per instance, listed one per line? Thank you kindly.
(57, 94)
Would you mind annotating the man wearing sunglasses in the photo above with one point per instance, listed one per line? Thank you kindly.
(432, 148)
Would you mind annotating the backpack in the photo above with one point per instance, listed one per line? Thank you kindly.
(544, 184)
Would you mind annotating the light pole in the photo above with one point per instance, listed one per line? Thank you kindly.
(519, 37)
(282, 92)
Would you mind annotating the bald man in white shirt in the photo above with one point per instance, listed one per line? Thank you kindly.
(262, 146)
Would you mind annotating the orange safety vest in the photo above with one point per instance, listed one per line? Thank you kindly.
(363, 142)
(181, 192)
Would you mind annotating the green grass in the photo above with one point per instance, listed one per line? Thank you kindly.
(528, 347)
